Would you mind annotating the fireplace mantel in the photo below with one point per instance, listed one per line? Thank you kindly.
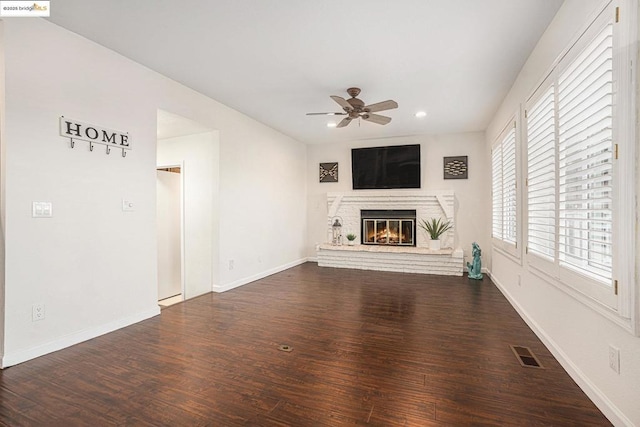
(427, 204)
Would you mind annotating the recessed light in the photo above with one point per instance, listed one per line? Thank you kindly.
(332, 124)
(421, 114)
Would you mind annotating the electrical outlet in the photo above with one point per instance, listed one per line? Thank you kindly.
(37, 312)
(614, 359)
(231, 264)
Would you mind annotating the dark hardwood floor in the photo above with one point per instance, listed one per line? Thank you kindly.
(369, 348)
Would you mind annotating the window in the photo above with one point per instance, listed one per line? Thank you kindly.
(585, 110)
(503, 170)
(572, 193)
(509, 187)
(496, 191)
(541, 176)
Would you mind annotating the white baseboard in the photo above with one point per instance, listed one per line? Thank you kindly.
(603, 403)
(13, 358)
(261, 275)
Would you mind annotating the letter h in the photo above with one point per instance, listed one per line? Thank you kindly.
(76, 130)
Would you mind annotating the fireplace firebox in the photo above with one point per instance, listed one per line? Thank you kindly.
(388, 227)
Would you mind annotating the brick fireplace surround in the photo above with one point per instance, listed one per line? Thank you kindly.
(409, 259)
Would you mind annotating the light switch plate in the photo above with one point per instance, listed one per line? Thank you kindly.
(42, 210)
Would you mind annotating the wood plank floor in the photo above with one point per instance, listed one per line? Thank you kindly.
(369, 348)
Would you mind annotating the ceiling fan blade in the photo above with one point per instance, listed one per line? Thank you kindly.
(376, 118)
(344, 122)
(326, 114)
(342, 102)
(381, 106)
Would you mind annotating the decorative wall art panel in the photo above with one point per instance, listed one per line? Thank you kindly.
(329, 172)
(456, 167)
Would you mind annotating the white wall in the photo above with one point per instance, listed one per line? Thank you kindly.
(262, 209)
(199, 155)
(472, 211)
(577, 335)
(93, 265)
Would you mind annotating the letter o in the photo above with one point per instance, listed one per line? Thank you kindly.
(86, 132)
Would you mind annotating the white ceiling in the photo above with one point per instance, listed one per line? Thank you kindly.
(277, 60)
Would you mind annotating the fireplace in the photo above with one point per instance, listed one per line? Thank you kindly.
(388, 227)
(382, 250)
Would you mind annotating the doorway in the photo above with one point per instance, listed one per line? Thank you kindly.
(195, 149)
(169, 187)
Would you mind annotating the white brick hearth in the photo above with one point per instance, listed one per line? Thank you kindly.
(447, 262)
(407, 259)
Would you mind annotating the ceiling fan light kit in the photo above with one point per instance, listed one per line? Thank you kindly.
(355, 108)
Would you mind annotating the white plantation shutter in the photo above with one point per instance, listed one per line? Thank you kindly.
(496, 171)
(585, 111)
(541, 176)
(578, 203)
(503, 170)
(509, 187)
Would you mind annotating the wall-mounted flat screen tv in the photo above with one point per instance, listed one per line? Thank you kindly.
(395, 166)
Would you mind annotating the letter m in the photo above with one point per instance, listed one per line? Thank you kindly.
(108, 138)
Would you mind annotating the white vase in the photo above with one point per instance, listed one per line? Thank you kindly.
(434, 245)
(352, 242)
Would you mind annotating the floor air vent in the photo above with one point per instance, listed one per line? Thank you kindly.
(526, 357)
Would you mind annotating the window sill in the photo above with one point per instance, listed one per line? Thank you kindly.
(624, 322)
(510, 252)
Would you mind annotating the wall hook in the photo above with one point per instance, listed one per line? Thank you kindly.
(90, 146)
(72, 142)
(124, 153)
(108, 150)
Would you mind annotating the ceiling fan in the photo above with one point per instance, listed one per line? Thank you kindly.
(354, 108)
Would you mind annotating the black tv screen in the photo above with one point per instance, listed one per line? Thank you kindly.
(396, 166)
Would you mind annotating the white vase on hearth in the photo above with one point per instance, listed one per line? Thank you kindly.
(434, 245)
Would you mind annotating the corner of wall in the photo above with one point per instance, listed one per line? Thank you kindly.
(636, 298)
(2, 190)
